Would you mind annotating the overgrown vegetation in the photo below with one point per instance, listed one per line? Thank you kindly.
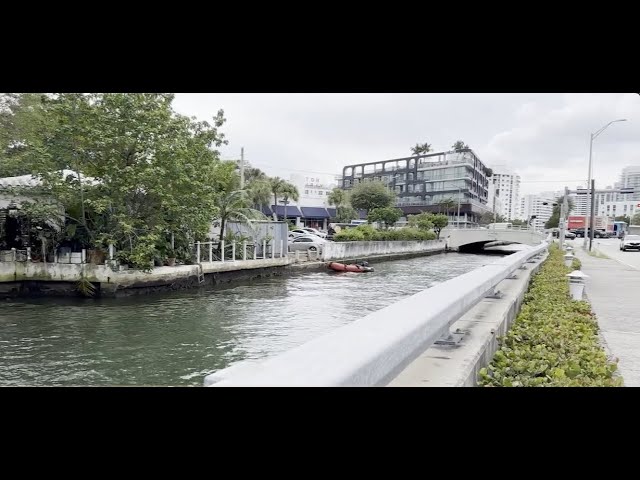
(576, 264)
(368, 233)
(125, 169)
(554, 341)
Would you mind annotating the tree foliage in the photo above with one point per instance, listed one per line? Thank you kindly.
(345, 213)
(421, 148)
(635, 220)
(428, 221)
(370, 195)
(135, 170)
(459, 145)
(489, 217)
(388, 216)
(337, 197)
(554, 220)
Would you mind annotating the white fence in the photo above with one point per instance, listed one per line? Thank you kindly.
(375, 349)
(219, 252)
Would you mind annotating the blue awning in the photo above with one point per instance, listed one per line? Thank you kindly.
(332, 212)
(267, 211)
(314, 212)
(363, 214)
(292, 211)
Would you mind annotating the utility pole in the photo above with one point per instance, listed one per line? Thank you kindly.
(241, 168)
(563, 215)
(592, 221)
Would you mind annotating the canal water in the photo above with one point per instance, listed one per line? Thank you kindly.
(178, 338)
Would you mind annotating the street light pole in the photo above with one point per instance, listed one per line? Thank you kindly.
(593, 136)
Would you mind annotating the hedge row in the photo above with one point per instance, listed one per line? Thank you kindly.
(553, 342)
(368, 233)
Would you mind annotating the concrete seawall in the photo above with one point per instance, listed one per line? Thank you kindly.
(350, 250)
(28, 279)
(458, 365)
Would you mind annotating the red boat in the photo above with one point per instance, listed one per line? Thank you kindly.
(344, 267)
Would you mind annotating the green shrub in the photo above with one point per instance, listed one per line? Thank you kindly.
(576, 264)
(553, 341)
(368, 233)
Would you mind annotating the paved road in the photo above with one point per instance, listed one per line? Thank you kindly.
(613, 289)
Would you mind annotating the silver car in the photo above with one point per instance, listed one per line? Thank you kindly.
(306, 243)
(630, 242)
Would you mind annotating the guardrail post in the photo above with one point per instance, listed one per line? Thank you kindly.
(83, 256)
(210, 252)
(233, 251)
(111, 249)
(28, 254)
(273, 252)
(244, 250)
(281, 248)
(222, 249)
(255, 251)
(264, 249)
(198, 252)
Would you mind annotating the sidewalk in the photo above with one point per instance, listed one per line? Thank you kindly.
(613, 290)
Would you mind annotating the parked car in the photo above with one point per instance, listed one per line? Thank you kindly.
(307, 243)
(293, 235)
(630, 242)
(309, 231)
(580, 232)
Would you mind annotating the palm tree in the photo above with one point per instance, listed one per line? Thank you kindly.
(289, 191)
(233, 207)
(447, 204)
(421, 148)
(277, 184)
(259, 192)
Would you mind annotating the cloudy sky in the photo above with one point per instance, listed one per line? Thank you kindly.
(543, 137)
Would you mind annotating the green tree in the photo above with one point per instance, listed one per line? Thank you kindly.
(635, 220)
(288, 191)
(489, 217)
(447, 205)
(231, 202)
(554, 220)
(422, 221)
(459, 145)
(388, 216)
(439, 222)
(259, 192)
(277, 185)
(337, 197)
(623, 218)
(126, 168)
(345, 213)
(517, 222)
(370, 195)
(421, 148)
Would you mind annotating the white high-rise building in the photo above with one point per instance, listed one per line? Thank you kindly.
(580, 202)
(494, 202)
(630, 178)
(507, 187)
(539, 205)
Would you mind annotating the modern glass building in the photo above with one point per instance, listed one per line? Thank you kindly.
(434, 182)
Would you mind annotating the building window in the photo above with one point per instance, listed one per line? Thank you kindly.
(306, 192)
(319, 192)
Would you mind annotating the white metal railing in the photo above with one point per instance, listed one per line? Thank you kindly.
(375, 349)
(219, 252)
